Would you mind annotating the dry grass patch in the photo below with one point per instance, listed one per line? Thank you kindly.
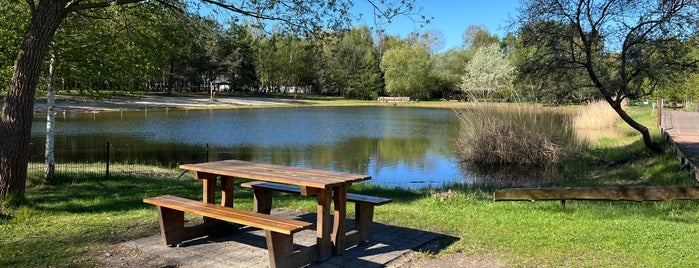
(521, 136)
(595, 120)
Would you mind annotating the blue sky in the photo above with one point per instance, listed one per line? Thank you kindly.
(452, 17)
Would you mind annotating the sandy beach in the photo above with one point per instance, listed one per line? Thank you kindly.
(86, 104)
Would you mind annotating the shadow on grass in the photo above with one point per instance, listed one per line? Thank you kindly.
(97, 194)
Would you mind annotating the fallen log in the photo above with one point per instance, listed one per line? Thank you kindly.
(637, 193)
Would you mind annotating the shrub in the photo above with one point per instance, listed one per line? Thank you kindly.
(520, 137)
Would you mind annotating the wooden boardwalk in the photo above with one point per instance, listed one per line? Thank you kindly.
(682, 131)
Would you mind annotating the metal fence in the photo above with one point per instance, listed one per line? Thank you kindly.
(109, 155)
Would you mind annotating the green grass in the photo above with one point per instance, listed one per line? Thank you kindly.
(76, 219)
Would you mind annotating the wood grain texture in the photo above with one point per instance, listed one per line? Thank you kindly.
(258, 220)
(640, 193)
(277, 173)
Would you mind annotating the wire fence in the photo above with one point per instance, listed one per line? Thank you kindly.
(112, 155)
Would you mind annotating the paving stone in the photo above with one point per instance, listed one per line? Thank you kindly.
(247, 247)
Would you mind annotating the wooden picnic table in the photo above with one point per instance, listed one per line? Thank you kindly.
(328, 186)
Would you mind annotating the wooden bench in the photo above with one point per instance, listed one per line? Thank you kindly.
(393, 99)
(636, 193)
(278, 230)
(363, 209)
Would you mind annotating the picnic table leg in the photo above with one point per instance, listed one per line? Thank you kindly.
(208, 181)
(340, 219)
(209, 186)
(363, 218)
(226, 191)
(323, 239)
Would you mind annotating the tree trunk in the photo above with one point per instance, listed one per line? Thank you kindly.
(17, 111)
(647, 141)
(50, 122)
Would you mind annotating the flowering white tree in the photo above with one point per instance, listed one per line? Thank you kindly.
(488, 72)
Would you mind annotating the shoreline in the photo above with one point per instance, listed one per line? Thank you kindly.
(120, 103)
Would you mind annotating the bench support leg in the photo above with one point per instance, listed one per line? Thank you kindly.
(171, 225)
(173, 231)
(263, 201)
(282, 254)
(364, 217)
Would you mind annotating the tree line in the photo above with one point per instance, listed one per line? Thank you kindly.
(150, 47)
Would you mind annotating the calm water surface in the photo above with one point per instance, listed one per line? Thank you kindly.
(397, 146)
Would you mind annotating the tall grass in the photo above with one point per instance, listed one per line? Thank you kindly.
(511, 135)
(595, 120)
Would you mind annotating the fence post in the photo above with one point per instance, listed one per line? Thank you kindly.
(207, 152)
(107, 160)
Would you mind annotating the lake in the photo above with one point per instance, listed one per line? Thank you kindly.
(397, 146)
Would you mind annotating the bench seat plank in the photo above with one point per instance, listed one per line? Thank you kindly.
(364, 206)
(262, 221)
(286, 188)
(278, 230)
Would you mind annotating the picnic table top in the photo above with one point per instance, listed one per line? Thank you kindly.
(277, 173)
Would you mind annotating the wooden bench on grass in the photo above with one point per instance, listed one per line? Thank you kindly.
(636, 193)
(278, 230)
(363, 206)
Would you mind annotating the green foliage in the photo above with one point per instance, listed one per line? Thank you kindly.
(285, 62)
(541, 74)
(14, 18)
(128, 50)
(448, 70)
(476, 37)
(349, 67)
(407, 72)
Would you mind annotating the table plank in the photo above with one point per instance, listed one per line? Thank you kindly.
(277, 173)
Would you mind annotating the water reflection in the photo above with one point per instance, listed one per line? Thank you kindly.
(397, 146)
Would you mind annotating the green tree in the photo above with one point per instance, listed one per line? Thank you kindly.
(285, 63)
(477, 36)
(13, 21)
(541, 74)
(46, 16)
(407, 71)
(234, 54)
(350, 66)
(620, 45)
(447, 71)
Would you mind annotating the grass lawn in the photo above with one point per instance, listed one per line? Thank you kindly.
(70, 222)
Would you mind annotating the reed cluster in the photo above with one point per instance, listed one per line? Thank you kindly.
(595, 120)
(514, 135)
